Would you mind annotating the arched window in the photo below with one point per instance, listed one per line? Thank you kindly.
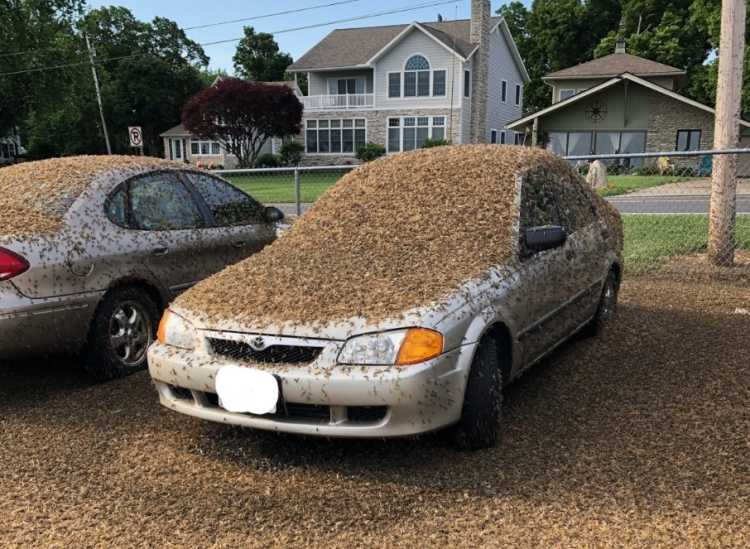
(417, 77)
(417, 63)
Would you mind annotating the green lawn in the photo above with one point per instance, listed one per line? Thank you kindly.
(649, 239)
(622, 184)
(272, 187)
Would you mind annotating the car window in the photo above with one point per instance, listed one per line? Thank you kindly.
(116, 207)
(228, 205)
(160, 202)
(539, 207)
(576, 207)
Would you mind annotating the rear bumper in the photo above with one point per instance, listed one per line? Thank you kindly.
(30, 327)
(336, 401)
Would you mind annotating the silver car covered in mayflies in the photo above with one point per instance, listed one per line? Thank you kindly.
(401, 303)
(93, 248)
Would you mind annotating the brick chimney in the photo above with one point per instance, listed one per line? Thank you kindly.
(479, 36)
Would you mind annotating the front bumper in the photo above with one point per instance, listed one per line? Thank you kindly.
(334, 401)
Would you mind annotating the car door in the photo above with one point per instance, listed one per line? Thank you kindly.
(165, 222)
(546, 280)
(237, 228)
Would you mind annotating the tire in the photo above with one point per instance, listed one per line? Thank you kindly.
(123, 327)
(606, 308)
(480, 415)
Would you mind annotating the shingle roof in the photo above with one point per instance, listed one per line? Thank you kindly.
(178, 131)
(354, 47)
(614, 65)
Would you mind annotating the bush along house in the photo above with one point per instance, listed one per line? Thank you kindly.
(400, 85)
(181, 145)
(620, 103)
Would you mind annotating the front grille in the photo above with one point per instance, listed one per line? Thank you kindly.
(274, 354)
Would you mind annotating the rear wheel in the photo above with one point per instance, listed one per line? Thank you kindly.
(480, 416)
(606, 308)
(122, 330)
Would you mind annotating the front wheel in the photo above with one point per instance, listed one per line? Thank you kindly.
(122, 331)
(483, 398)
(606, 308)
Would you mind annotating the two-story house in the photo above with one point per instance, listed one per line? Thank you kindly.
(619, 103)
(400, 85)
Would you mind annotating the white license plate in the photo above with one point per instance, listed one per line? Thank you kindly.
(246, 391)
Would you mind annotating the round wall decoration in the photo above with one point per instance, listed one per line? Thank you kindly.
(596, 111)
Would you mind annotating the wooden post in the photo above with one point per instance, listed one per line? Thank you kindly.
(726, 133)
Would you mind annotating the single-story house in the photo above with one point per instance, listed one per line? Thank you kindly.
(620, 103)
(180, 144)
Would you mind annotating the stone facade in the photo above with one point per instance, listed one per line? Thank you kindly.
(480, 35)
(377, 129)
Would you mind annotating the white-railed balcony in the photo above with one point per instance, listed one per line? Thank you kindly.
(338, 102)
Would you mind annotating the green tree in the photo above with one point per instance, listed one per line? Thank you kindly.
(258, 58)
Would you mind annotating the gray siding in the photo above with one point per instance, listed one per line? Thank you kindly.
(440, 59)
(502, 67)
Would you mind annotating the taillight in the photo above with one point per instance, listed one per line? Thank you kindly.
(11, 264)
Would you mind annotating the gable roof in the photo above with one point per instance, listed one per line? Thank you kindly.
(608, 84)
(614, 65)
(349, 48)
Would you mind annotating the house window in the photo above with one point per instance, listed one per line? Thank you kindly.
(394, 84)
(467, 83)
(493, 136)
(566, 93)
(410, 132)
(438, 83)
(518, 95)
(205, 148)
(504, 91)
(337, 136)
(343, 86)
(502, 138)
(517, 139)
(417, 77)
(688, 140)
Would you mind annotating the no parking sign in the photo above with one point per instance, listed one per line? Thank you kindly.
(136, 136)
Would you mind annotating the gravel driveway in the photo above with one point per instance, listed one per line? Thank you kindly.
(636, 438)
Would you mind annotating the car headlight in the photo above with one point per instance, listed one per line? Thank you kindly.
(398, 347)
(175, 331)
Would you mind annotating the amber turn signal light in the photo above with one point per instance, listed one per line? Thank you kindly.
(161, 333)
(419, 345)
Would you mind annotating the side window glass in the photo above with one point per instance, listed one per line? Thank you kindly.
(539, 207)
(576, 208)
(116, 207)
(228, 205)
(160, 202)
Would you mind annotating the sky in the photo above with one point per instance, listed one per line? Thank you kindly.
(189, 13)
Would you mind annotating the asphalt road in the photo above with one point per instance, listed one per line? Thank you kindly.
(671, 204)
(631, 205)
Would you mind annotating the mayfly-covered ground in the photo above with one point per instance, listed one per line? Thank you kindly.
(638, 437)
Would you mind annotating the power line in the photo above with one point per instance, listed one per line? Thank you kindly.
(217, 42)
(219, 23)
(268, 15)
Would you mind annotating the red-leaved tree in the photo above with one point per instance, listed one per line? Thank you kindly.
(243, 115)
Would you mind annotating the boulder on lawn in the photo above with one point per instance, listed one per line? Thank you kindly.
(597, 176)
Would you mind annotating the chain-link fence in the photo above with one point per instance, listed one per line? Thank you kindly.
(666, 202)
(665, 198)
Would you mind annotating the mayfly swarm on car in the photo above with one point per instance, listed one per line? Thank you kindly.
(402, 301)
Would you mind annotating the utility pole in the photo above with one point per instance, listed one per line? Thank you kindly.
(726, 133)
(98, 93)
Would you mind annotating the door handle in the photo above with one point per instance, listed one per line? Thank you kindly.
(160, 251)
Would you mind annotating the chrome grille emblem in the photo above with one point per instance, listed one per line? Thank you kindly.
(258, 343)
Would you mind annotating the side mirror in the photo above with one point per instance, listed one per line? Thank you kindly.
(545, 238)
(273, 214)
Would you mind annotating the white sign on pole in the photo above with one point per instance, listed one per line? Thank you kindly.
(136, 136)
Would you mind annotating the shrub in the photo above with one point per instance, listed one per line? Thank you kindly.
(291, 153)
(429, 143)
(267, 160)
(370, 151)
